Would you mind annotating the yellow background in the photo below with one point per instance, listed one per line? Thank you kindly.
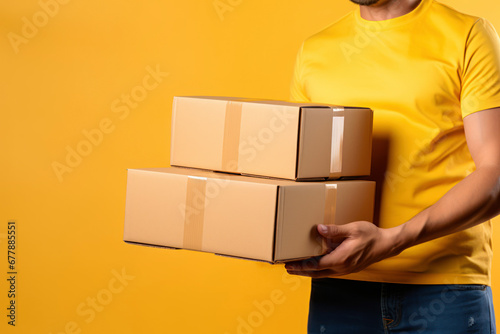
(71, 76)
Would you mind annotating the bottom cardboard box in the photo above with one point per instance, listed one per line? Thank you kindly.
(254, 218)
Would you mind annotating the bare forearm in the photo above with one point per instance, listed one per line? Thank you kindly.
(472, 201)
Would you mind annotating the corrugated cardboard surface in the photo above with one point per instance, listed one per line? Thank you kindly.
(301, 209)
(262, 219)
(269, 138)
(357, 142)
(314, 143)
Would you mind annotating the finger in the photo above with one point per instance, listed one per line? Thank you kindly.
(334, 231)
(332, 264)
(333, 258)
(307, 264)
(317, 263)
(338, 258)
(316, 274)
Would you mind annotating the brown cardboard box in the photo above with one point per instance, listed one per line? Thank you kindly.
(270, 220)
(296, 141)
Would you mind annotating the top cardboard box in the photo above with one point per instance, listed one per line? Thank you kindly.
(296, 141)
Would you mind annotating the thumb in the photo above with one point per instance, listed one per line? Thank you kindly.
(333, 231)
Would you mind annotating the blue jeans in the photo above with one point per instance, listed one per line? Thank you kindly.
(353, 307)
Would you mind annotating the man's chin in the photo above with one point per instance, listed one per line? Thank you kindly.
(365, 2)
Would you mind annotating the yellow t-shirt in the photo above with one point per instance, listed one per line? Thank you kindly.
(421, 73)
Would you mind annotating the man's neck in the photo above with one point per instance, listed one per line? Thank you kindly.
(388, 9)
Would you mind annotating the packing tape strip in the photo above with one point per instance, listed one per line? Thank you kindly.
(330, 209)
(231, 139)
(337, 143)
(194, 216)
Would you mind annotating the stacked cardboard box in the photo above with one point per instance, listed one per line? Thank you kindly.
(235, 189)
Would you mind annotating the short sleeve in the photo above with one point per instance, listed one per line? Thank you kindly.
(481, 71)
(297, 91)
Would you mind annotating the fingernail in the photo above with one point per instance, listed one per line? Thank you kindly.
(322, 228)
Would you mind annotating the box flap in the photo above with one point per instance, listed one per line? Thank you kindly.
(355, 201)
(151, 197)
(357, 137)
(268, 140)
(314, 147)
(239, 219)
(302, 207)
(197, 133)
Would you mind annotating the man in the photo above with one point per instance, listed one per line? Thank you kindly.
(432, 77)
